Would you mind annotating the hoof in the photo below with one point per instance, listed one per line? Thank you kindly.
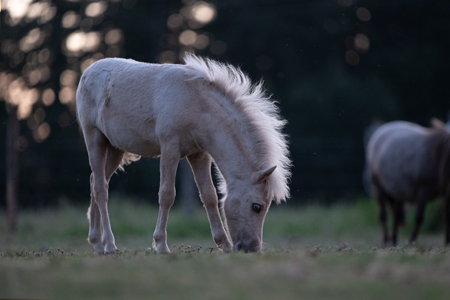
(227, 248)
(111, 250)
(98, 248)
(160, 247)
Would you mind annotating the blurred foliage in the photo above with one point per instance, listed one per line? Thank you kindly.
(333, 66)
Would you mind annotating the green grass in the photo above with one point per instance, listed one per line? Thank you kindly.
(311, 252)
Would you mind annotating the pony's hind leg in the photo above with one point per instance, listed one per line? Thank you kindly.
(104, 160)
(201, 167)
(113, 159)
(170, 157)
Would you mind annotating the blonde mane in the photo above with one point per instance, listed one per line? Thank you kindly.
(258, 111)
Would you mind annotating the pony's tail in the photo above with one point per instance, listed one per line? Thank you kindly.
(127, 159)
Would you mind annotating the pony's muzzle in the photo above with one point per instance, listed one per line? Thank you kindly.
(252, 246)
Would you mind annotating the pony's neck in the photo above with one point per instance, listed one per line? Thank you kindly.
(231, 156)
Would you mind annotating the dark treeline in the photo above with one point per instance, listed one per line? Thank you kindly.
(334, 66)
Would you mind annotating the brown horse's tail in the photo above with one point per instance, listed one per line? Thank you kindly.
(127, 159)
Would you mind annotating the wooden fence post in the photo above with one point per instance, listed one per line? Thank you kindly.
(12, 168)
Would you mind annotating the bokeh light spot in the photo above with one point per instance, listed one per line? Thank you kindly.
(187, 37)
(67, 95)
(95, 9)
(42, 132)
(48, 14)
(29, 97)
(202, 41)
(93, 40)
(79, 42)
(39, 115)
(352, 58)
(35, 10)
(203, 12)
(75, 41)
(70, 19)
(86, 64)
(362, 42)
(68, 77)
(113, 51)
(174, 21)
(32, 40)
(48, 96)
(114, 36)
(168, 57)
(363, 14)
(90, 60)
(16, 9)
(34, 77)
(44, 55)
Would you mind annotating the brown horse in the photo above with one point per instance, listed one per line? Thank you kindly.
(409, 163)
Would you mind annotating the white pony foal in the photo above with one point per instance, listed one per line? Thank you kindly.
(202, 110)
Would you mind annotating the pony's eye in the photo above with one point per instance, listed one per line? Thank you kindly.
(256, 207)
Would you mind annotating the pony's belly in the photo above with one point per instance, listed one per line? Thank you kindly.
(130, 134)
(145, 148)
(148, 150)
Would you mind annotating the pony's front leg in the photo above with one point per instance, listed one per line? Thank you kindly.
(201, 167)
(168, 168)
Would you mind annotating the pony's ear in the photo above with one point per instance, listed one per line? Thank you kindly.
(436, 123)
(263, 175)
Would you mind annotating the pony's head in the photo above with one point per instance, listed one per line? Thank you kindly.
(245, 209)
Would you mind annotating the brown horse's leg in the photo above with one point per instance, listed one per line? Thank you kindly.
(201, 167)
(398, 212)
(382, 213)
(170, 157)
(420, 210)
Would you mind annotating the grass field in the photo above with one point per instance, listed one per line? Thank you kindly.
(310, 252)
